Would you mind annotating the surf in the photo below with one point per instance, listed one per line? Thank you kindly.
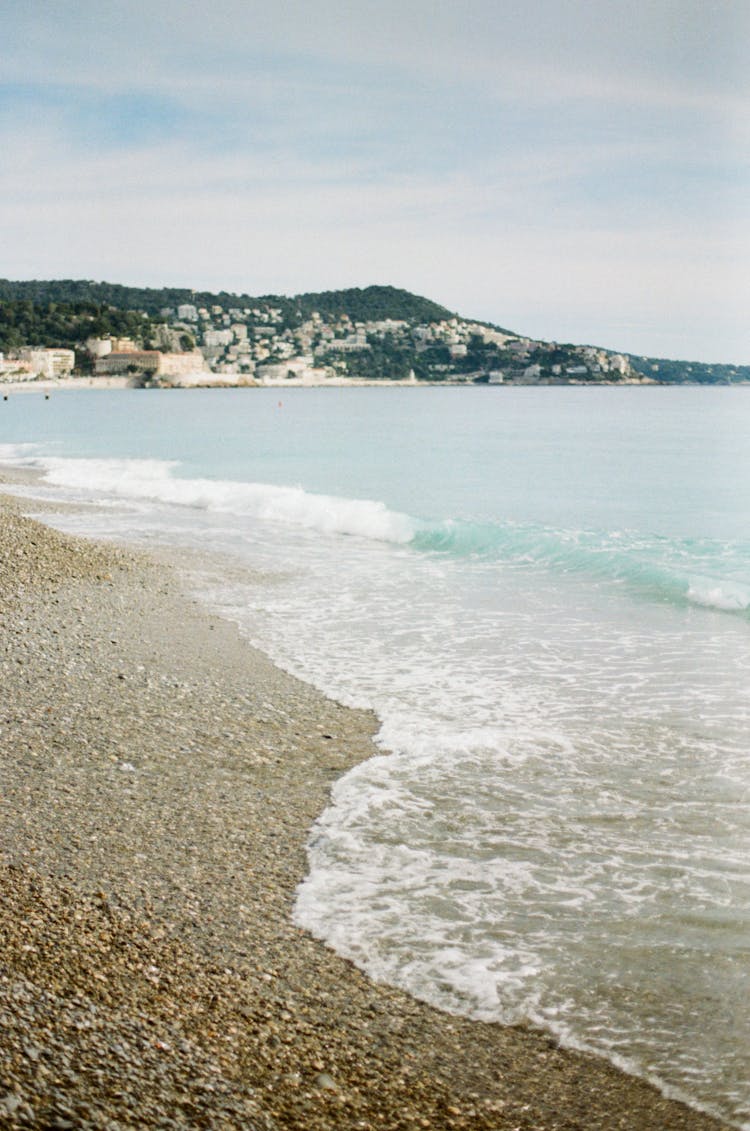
(704, 573)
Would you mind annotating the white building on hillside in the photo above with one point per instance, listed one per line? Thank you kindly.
(185, 364)
(50, 362)
(213, 338)
(99, 347)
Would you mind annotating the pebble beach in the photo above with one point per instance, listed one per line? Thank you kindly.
(158, 781)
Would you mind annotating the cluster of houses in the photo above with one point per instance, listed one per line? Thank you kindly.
(253, 345)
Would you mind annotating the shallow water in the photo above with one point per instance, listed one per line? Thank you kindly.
(544, 594)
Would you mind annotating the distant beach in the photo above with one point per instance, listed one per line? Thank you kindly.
(201, 380)
(159, 778)
(50, 385)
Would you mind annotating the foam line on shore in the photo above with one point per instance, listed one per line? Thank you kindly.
(171, 777)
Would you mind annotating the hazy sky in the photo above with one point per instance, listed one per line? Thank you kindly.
(576, 170)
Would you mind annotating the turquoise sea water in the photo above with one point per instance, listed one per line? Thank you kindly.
(545, 596)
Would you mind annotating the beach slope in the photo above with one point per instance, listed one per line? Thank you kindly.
(158, 780)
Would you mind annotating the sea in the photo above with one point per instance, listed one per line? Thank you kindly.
(544, 596)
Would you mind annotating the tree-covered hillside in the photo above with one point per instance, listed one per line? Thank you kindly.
(372, 304)
(74, 291)
(684, 372)
(149, 300)
(24, 322)
(360, 304)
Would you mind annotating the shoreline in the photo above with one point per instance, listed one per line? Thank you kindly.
(219, 381)
(60, 384)
(159, 780)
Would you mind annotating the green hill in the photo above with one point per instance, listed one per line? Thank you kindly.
(360, 304)
(65, 312)
(25, 322)
(372, 304)
(689, 372)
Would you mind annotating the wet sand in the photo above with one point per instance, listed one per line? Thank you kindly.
(158, 780)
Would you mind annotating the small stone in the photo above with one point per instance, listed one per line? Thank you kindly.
(10, 1103)
(326, 1082)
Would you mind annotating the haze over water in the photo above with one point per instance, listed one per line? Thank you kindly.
(545, 596)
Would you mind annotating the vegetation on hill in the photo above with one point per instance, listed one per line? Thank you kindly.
(149, 300)
(384, 360)
(683, 372)
(360, 304)
(372, 304)
(24, 322)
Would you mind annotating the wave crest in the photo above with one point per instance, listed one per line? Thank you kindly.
(706, 574)
(155, 480)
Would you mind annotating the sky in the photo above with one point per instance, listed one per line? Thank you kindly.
(573, 170)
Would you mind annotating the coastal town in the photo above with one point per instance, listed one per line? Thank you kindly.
(264, 344)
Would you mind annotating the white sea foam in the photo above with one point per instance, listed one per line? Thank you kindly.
(17, 453)
(146, 479)
(653, 567)
(724, 595)
(529, 831)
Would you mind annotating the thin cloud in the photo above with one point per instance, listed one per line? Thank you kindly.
(557, 167)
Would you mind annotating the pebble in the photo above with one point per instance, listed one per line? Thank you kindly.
(10, 1103)
(323, 1080)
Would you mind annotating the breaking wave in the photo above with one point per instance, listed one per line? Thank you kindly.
(699, 572)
